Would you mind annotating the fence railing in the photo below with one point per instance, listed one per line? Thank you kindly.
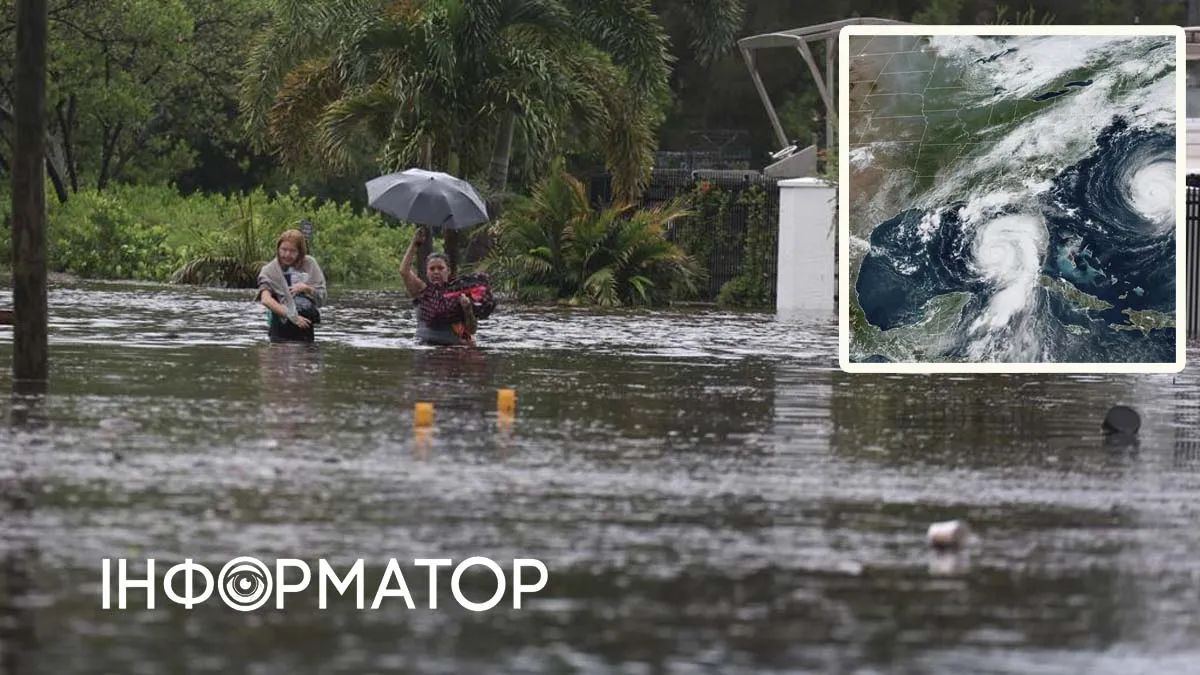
(717, 232)
(1192, 245)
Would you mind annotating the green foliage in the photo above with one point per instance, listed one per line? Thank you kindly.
(231, 255)
(743, 291)
(704, 232)
(96, 236)
(348, 84)
(801, 114)
(132, 86)
(1029, 17)
(712, 25)
(939, 12)
(696, 233)
(153, 232)
(553, 246)
(754, 286)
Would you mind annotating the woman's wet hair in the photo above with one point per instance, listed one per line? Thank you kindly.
(295, 238)
(437, 256)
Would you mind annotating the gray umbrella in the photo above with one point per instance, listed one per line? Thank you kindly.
(427, 198)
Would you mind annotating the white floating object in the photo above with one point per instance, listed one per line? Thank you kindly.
(948, 534)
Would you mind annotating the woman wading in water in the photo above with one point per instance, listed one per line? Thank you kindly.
(443, 317)
(292, 287)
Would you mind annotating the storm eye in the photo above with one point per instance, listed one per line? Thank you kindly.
(1151, 192)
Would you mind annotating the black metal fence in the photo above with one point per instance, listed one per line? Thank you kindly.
(1192, 247)
(730, 208)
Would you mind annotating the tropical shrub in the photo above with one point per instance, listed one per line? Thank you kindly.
(94, 235)
(153, 232)
(231, 255)
(554, 246)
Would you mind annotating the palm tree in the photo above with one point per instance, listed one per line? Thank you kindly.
(449, 84)
(554, 246)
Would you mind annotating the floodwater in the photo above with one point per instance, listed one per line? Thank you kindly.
(708, 492)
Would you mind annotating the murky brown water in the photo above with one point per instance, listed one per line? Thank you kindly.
(708, 491)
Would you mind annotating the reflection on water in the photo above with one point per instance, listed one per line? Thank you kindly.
(290, 379)
(1187, 428)
(708, 492)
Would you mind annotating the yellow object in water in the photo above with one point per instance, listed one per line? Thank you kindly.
(423, 415)
(506, 401)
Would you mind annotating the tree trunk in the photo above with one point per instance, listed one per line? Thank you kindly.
(108, 150)
(502, 153)
(427, 153)
(452, 247)
(30, 358)
(423, 252)
(68, 149)
(56, 179)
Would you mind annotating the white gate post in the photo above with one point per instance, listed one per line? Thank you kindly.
(806, 270)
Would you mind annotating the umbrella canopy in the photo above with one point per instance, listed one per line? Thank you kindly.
(427, 198)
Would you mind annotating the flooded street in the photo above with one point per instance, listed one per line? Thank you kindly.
(708, 491)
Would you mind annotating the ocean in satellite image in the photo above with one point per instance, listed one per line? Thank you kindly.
(1012, 199)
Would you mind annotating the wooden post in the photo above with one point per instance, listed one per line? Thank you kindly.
(30, 362)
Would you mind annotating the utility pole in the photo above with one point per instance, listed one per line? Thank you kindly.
(30, 360)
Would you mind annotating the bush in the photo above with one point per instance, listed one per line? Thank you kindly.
(94, 235)
(151, 231)
(553, 246)
(743, 291)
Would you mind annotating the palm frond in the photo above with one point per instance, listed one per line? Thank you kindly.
(715, 25)
(341, 124)
(217, 270)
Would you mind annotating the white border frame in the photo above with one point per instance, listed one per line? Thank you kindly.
(844, 202)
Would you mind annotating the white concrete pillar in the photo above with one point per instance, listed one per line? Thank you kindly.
(806, 269)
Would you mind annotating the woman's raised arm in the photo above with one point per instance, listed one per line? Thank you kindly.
(412, 282)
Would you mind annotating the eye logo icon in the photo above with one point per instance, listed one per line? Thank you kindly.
(245, 584)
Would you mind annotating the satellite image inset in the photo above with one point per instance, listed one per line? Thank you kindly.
(1012, 199)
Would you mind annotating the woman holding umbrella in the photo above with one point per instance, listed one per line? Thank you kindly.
(443, 317)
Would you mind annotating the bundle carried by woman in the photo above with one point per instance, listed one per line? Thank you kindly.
(439, 303)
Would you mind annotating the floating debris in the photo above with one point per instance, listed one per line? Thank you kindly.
(1122, 420)
(948, 534)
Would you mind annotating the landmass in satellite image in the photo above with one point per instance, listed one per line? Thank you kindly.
(1012, 198)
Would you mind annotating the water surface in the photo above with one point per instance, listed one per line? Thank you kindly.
(709, 493)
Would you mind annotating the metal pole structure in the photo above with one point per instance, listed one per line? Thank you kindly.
(1192, 257)
(30, 360)
(831, 126)
(806, 53)
(748, 57)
